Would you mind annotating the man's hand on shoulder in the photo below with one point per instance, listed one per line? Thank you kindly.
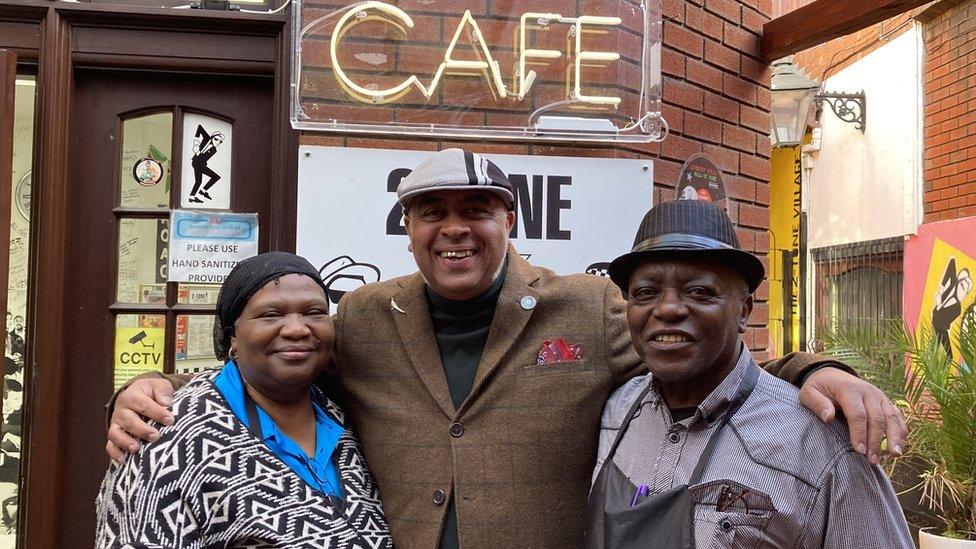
(144, 400)
(870, 415)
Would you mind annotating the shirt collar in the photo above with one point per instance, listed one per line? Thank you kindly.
(231, 385)
(720, 397)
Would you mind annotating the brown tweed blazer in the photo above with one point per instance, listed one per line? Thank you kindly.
(520, 470)
(519, 465)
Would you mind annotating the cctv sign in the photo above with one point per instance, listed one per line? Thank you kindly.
(586, 70)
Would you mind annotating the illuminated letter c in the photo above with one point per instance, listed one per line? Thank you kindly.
(358, 92)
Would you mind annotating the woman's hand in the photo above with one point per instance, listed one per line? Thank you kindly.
(870, 415)
(143, 400)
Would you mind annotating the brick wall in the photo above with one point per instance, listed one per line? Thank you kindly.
(950, 114)
(827, 59)
(715, 99)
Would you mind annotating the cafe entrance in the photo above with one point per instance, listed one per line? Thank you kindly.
(123, 115)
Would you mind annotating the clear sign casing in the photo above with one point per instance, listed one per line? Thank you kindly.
(586, 70)
(573, 215)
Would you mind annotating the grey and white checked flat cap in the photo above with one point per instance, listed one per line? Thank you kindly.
(456, 170)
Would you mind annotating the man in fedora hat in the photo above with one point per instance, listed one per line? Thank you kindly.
(476, 384)
(708, 448)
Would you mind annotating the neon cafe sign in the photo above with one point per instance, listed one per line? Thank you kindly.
(453, 70)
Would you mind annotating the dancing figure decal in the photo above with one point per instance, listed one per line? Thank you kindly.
(204, 148)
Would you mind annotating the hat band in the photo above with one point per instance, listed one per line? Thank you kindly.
(674, 241)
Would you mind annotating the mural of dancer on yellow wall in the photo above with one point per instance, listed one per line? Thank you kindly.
(939, 289)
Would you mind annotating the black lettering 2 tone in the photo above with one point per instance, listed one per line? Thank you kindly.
(394, 220)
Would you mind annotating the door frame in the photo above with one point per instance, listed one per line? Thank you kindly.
(58, 38)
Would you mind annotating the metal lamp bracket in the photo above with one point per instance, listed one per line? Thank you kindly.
(849, 107)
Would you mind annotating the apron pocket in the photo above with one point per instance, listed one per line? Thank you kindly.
(726, 510)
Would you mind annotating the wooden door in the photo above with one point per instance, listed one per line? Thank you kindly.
(127, 170)
(8, 76)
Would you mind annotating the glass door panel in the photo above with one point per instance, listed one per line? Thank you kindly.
(13, 374)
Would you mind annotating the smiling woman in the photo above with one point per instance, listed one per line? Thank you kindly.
(271, 449)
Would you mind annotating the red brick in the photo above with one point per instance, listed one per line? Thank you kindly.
(754, 166)
(730, 10)
(740, 188)
(703, 22)
(684, 94)
(753, 216)
(672, 63)
(754, 70)
(666, 172)
(724, 158)
(741, 39)
(764, 7)
(721, 55)
(763, 147)
(675, 117)
(683, 39)
(673, 10)
(707, 76)
(762, 193)
(756, 119)
(747, 238)
(663, 194)
(742, 90)
(721, 107)
(763, 98)
(679, 148)
(738, 138)
(705, 129)
(753, 20)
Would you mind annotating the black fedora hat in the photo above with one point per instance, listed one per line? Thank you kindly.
(692, 227)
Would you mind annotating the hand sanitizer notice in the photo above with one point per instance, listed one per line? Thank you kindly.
(204, 247)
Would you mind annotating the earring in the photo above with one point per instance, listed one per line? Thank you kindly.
(232, 353)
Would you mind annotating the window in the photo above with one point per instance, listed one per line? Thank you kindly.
(164, 326)
(859, 283)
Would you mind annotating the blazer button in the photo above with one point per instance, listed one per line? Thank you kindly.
(439, 497)
(457, 430)
(674, 438)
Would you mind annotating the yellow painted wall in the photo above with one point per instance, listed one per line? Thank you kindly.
(784, 226)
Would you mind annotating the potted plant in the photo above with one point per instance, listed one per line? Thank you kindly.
(938, 395)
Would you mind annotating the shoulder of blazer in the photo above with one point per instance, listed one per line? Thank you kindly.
(379, 292)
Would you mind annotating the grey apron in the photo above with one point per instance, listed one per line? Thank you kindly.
(664, 520)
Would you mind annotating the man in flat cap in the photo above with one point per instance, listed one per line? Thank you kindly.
(476, 384)
(708, 448)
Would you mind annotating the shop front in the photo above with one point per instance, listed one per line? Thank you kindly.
(117, 116)
(118, 112)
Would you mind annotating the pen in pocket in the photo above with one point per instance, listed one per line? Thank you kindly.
(642, 491)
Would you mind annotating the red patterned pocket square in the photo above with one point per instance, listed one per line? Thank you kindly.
(557, 350)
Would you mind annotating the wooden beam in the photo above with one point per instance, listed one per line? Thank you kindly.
(825, 20)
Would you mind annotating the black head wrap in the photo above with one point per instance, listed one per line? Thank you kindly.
(244, 280)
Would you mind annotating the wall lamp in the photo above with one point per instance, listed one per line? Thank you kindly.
(792, 95)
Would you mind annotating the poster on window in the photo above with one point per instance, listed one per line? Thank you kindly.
(206, 166)
(573, 215)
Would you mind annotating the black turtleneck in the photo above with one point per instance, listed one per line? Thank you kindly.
(461, 329)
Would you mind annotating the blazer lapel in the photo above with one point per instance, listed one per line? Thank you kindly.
(417, 335)
(511, 317)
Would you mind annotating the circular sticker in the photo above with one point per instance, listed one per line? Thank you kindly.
(147, 172)
(22, 196)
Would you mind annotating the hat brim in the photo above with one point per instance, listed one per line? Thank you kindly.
(748, 265)
(507, 197)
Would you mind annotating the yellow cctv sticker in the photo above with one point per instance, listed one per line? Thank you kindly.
(138, 350)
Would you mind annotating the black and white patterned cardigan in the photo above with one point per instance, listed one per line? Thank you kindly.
(208, 482)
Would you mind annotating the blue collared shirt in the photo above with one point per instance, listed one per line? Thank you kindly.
(319, 471)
